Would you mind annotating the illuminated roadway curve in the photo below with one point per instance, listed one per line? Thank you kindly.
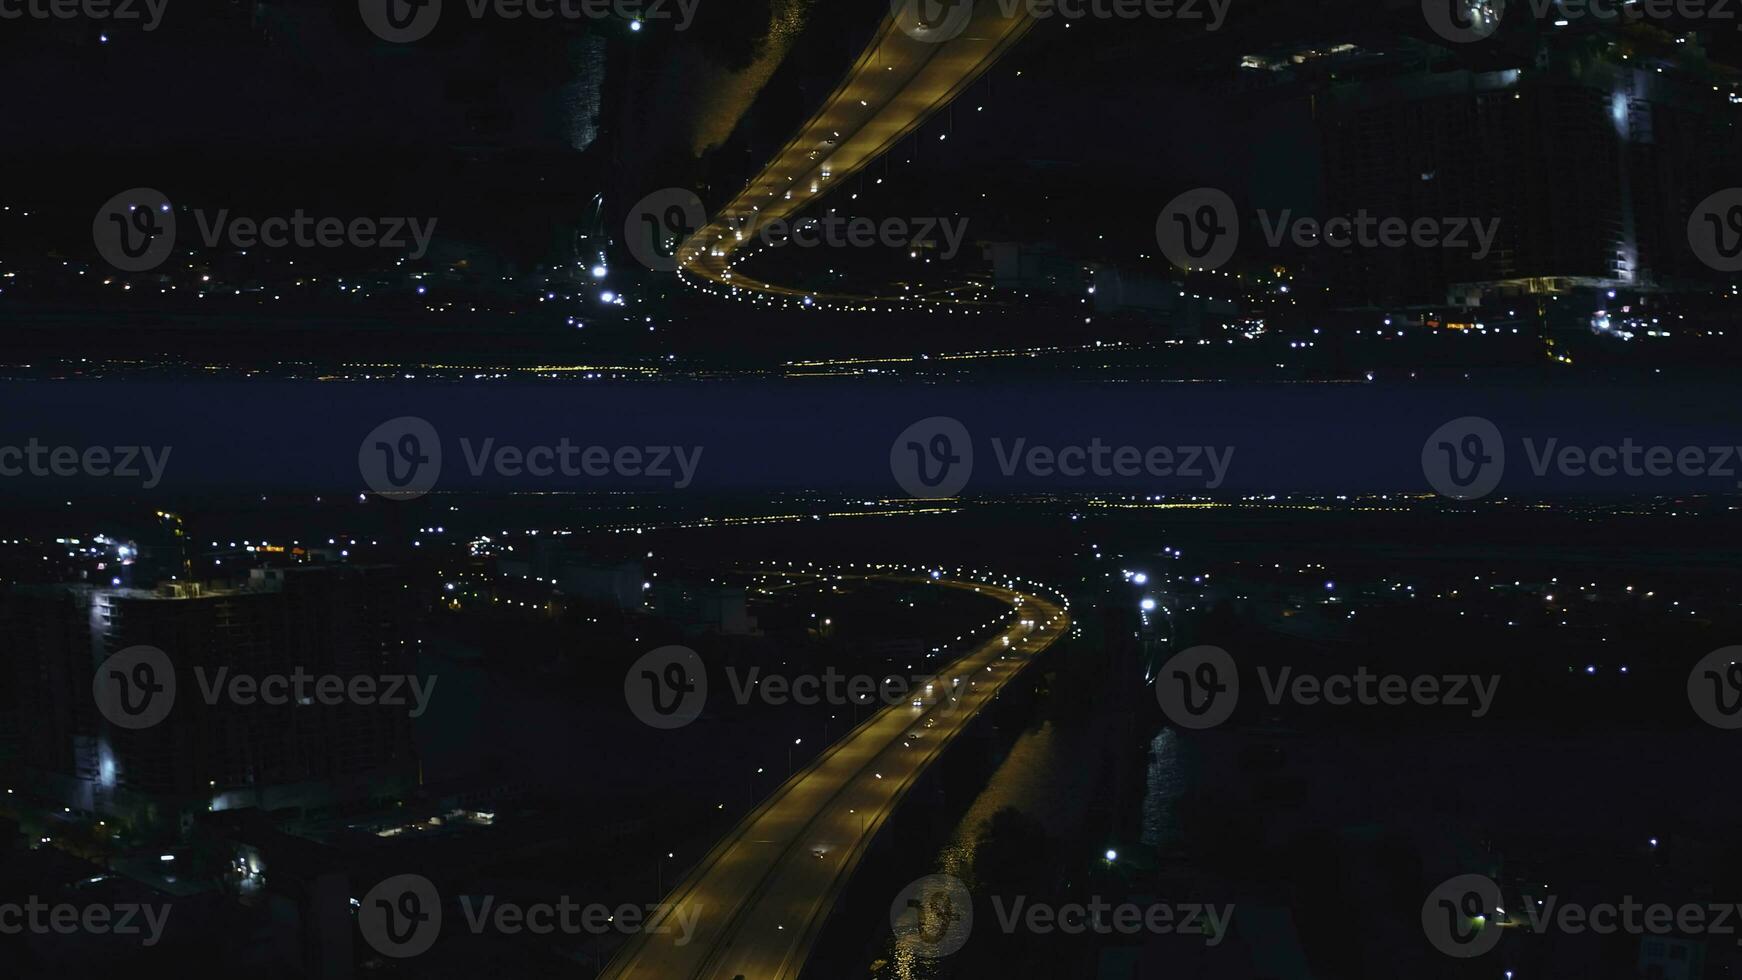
(761, 896)
(905, 76)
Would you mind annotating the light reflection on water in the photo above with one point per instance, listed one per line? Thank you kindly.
(1165, 782)
(580, 98)
(1025, 781)
(1044, 777)
(1513, 781)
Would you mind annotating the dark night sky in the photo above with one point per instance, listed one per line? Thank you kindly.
(278, 437)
